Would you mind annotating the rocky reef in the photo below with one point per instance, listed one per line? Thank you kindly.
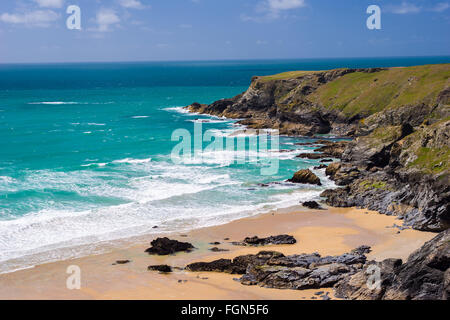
(272, 269)
(425, 275)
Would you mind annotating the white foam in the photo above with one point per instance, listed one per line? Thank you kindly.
(6, 179)
(179, 110)
(140, 117)
(209, 120)
(133, 161)
(54, 102)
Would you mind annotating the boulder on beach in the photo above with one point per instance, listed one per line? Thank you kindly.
(272, 240)
(311, 205)
(305, 176)
(163, 268)
(166, 246)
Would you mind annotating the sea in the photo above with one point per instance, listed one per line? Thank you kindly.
(86, 153)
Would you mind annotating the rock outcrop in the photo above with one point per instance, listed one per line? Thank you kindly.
(305, 176)
(272, 240)
(165, 246)
(398, 173)
(425, 276)
(163, 268)
(274, 270)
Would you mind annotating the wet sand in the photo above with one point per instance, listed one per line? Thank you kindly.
(329, 232)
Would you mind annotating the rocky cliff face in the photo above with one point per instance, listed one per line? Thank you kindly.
(400, 119)
(425, 276)
(398, 174)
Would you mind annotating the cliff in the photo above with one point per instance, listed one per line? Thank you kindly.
(399, 118)
(342, 101)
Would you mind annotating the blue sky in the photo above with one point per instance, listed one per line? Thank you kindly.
(145, 30)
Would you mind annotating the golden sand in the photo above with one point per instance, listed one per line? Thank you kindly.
(329, 232)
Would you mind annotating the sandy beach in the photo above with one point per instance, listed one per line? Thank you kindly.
(329, 232)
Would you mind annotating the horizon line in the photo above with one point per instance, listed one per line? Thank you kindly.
(219, 60)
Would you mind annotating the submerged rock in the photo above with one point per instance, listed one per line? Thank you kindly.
(305, 176)
(165, 246)
(216, 249)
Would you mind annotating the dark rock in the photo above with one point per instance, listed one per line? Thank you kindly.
(165, 246)
(326, 297)
(272, 240)
(311, 156)
(312, 205)
(333, 149)
(274, 270)
(326, 160)
(221, 265)
(361, 250)
(332, 169)
(215, 249)
(161, 268)
(236, 266)
(422, 277)
(122, 262)
(306, 177)
(214, 243)
(322, 166)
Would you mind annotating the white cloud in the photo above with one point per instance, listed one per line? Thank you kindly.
(272, 9)
(106, 18)
(285, 4)
(132, 4)
(408, 8)
(404, 8)
(38, 18)
(50, 3)
(441, 7)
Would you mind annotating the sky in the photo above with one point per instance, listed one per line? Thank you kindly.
(159, 30)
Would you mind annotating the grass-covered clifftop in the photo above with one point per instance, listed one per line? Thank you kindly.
(341, 101)
(367, 93)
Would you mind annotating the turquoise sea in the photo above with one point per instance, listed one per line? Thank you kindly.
(85, 153)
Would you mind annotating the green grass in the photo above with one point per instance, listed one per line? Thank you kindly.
(383, 135)
(367, 185)
(286, 75)
(432, 160)
(368, 93)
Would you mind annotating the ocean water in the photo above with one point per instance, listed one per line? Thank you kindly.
(85, 153)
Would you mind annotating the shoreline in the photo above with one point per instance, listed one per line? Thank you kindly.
(345, 229)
